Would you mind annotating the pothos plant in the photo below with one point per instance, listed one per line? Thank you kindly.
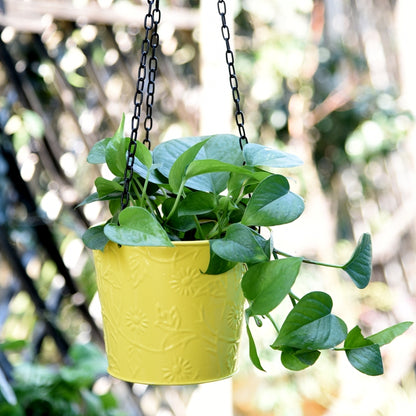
(211, 188)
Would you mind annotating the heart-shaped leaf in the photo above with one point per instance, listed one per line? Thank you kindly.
(138, 227)
(272, 203)
(297, 360)
(94, 238)
(241, 245)
(310, 325)
(363, 354)
(366, 359)
(265, 285)
(359, 265)
(261, 156)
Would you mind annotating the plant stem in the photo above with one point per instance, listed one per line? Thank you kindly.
(144, 189)
(308, 261)
(175, 205)
(293, 298)
(273, 322)
(213, 231)
(199, 228)
(138, 192)
(240, 195)
(145, 197)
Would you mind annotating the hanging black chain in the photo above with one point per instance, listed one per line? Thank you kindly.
(229, 57)
(151, 22)
(154, 43)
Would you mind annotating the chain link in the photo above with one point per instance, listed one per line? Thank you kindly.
(146, 70)
(154, 43)
(229, 57)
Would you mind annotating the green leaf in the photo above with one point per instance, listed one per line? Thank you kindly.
(359, 266)
(197, 203)
(387, 335)
(199, 167)
(355, 339)
(310, 325)
(106, 187)
(218, 265)
(179, 168)
(119, 134)
(94, 198)
(114, 205)
(366, 359)
(143, 154)
(272, 203)
(94, 238)
(362, 353)
(265, 285)
(115, 155)
(97, 152)
(297, 360)
(138, 227)
(241, 245)
(262, 156)
(254, 357)
(115, 151)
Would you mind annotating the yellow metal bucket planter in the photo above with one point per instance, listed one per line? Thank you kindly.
(164, 321)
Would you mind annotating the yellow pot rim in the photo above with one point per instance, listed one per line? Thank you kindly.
(196, 243)
(190, 243)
